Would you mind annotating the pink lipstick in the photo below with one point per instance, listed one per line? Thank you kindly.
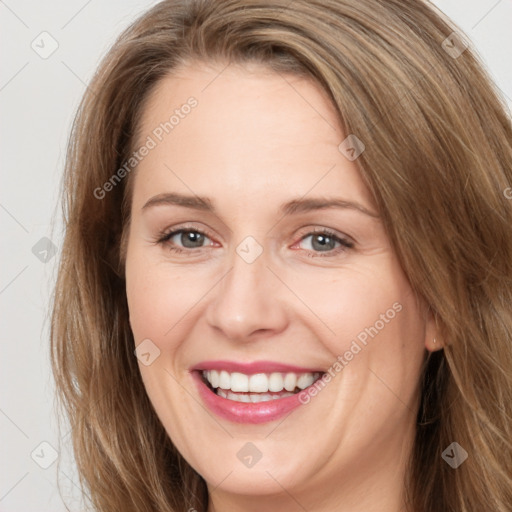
(252, 393)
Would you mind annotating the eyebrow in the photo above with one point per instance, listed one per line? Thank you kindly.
(295, 206)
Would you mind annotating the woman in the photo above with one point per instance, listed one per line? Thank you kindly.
(286, 277)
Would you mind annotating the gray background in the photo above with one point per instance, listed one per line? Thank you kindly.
(39, 94)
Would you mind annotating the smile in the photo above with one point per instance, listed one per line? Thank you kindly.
(259, 387)
(255, 392)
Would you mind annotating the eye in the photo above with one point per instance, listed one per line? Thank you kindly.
(323, 241)
(326, 241)
(188, 238)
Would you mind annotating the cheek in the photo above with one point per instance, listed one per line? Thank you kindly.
(360, 298)
(158, 306)
(375, 324)
(147, 305)
(158, 297)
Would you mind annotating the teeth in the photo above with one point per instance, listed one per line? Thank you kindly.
(239, 382)
(275, 382)
(258, 383)
(224, 380)
(305, 380)
(251, 397)
(290, 381)
(213, 378)
(241, 397)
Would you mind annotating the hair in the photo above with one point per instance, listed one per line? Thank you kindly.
(438, 162)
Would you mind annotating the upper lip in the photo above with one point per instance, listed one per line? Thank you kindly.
(250, 368)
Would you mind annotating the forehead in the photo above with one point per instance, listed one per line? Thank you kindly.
(248, 95)
(250, 129)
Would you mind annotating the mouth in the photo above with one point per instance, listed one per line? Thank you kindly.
(258, 387)
(253, 392)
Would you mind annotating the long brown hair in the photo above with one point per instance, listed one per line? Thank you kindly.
(438, 161)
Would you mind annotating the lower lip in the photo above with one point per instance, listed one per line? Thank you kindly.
(244, 412)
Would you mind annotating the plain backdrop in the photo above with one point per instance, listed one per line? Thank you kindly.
(39, 94)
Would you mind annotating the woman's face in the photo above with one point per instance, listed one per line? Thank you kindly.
(266, 288)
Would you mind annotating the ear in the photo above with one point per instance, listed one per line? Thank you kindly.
(433, 341)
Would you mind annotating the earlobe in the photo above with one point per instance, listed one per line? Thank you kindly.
(433, 344)
(433, 340)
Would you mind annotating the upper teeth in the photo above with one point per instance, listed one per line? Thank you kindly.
(259, 382)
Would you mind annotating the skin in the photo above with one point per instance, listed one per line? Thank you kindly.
(255, 141)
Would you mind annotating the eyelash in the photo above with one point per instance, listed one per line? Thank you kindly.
(346, 244)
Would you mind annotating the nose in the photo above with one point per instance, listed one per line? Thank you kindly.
(248, 302)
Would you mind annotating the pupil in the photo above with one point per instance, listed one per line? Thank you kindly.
(193, 237)
(324, 242)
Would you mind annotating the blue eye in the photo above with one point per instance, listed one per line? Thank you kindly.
(189, 238)
(324, 242)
